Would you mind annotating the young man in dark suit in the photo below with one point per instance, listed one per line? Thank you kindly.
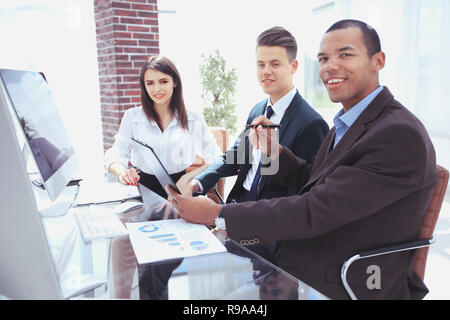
(302, 130)
(368, 187)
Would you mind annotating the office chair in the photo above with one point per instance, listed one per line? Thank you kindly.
(426, 235)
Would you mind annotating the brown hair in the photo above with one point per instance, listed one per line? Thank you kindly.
(278, 36)
(177, 107)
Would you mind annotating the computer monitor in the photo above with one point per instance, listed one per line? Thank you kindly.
(28, 269)
(46, 138)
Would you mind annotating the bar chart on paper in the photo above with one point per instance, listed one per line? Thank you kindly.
(168, 239)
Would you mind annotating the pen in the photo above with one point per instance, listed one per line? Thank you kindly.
(270, 126)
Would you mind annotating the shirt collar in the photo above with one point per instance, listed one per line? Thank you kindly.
(174, 121)
(348, 118)
(281, 105)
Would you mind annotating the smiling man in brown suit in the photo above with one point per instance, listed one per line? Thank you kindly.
(368, 187)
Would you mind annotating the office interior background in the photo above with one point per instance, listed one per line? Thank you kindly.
(58, 37)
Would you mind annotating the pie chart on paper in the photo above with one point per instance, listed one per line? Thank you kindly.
(198, 245)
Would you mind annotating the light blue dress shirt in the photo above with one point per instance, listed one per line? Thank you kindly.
(343, 120)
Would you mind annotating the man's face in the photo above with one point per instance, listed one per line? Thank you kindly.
(346, 69)
(275, 71)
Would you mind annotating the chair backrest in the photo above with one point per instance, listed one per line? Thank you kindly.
(221, 136)
(430, 219)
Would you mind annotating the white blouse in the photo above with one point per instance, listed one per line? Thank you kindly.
(175, 147)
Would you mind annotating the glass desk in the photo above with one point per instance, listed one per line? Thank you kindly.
(238, 274)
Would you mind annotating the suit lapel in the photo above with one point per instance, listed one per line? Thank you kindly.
(329, 156)
(257, 111)
(359, 127)
(320, 159)
(293, 107)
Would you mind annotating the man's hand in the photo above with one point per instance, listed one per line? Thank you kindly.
(264, 139)
(188, 189)
(200, 209)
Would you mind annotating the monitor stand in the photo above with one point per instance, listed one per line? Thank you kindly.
(82, 284)
(57, 208)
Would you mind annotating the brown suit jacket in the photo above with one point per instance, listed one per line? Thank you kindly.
(371, 190)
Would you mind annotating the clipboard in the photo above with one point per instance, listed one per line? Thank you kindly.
(159, 170)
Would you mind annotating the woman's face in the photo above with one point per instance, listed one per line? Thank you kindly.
(159, 86)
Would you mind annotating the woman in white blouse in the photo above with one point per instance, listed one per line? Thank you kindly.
(175, 134)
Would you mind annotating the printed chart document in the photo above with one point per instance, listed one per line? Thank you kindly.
(169, 239)
(101, 192)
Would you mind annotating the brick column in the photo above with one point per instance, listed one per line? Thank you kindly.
(127, 34)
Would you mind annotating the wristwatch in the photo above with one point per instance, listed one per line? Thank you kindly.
(220, 220)
(220, 223)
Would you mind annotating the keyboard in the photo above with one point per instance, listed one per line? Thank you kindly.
(98, 222)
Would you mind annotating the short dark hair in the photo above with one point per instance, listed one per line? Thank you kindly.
(370, 36)
(177, 107)
(279, 36)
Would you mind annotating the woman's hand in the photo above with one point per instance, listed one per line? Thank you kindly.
(129, 176)
(125, 175)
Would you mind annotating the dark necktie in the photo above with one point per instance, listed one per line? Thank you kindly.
(254, 188)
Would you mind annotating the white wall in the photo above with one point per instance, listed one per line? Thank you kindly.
(201, 26)
(58, 38)
(414, 35)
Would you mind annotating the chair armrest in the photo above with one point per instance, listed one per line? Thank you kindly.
(416, 244)
(410, 245)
